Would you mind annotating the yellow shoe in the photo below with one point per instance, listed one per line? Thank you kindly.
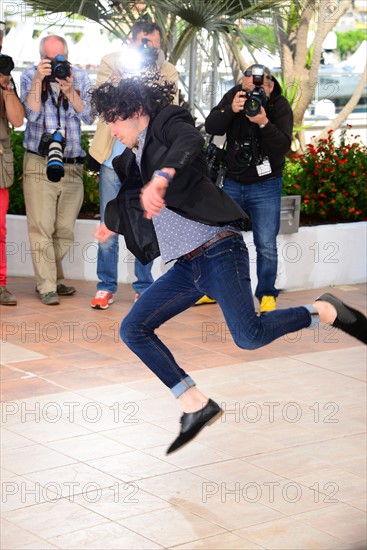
(267, 303)
(205, 300)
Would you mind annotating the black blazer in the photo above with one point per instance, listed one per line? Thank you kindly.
(172, 141)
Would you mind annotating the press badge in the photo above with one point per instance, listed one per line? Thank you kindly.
(264, 168)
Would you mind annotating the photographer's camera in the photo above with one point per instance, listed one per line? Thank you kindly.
(6, 64)
(255, 100)
(52, 146)
(60, 69)
(257, 97)
(247, 152)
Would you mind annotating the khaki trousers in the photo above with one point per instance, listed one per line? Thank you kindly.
(51, 209)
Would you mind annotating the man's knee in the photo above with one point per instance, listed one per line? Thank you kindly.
(245, 338)
(131, 331)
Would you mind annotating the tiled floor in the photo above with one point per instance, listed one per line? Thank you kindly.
(86, 427)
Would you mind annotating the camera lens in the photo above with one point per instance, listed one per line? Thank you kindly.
(55, 161)
(62, 70)
(252, 106)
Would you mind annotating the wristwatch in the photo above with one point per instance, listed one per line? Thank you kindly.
(9, 87)
(162, 174)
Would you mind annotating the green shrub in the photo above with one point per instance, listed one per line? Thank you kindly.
(331, 179)
(90, 207)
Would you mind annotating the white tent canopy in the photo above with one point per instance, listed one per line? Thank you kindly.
(24, 49)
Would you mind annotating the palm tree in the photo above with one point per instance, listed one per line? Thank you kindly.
(211, 25)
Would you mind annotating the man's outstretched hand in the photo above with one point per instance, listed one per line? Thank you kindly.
(102, 234)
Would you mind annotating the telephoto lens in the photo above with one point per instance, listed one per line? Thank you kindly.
(55, 159)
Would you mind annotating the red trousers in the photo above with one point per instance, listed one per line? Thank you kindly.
(4, 203)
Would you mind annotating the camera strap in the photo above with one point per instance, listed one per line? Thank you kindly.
(57, 104)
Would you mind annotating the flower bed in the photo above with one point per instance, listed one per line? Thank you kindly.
(331, 179)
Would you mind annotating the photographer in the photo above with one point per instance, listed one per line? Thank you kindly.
(258, 122)
(11, 111)
(146, 40)
(56, 100)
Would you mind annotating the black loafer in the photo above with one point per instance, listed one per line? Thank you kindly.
(193, 423)
(63, 290)
(349, 320)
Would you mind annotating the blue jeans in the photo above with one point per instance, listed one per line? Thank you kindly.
(262, 202)
(222, 272)
(108, 252)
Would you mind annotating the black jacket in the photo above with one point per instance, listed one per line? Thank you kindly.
(274, 139)
(172, 141)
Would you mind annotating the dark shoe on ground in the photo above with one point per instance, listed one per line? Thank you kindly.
(50, 299)
(6, 297)
(349, 320)
(63, 290)
(193, 423)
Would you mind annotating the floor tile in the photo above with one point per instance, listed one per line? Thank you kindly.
(288, 534)
(341, 520)
(171, 526)
(85, 428)
(229, 541)
(51, 519)
(108, 536)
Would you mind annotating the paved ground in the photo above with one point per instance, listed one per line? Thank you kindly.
(86, 426)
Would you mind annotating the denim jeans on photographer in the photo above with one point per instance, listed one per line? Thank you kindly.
(108, 252)
(262, 202)
(221, 272)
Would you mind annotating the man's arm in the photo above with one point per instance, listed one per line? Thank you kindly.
(33, 97)
(107, 67)
(77, 89)
(276, 136)
(170, 73)
(221, 116)
(13, 106)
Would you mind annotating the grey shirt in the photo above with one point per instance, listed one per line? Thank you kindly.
(178, 235)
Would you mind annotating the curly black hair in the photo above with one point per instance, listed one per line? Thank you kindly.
(131, 95)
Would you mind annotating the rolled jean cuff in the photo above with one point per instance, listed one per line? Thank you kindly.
(314, 314)
(183, 386)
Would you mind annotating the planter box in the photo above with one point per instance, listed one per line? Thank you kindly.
(313, 257)
(290, 209)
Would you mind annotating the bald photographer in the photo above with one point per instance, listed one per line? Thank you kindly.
(258, 122)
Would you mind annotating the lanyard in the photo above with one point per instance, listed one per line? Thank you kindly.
(57, 104)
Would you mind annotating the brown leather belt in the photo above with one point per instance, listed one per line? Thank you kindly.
(200, 249)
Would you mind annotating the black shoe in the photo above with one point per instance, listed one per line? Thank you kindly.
(193, 423)
(349, 320)
(63, 290)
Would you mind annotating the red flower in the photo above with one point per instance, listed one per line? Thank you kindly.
(351, 210)
(354, 174)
